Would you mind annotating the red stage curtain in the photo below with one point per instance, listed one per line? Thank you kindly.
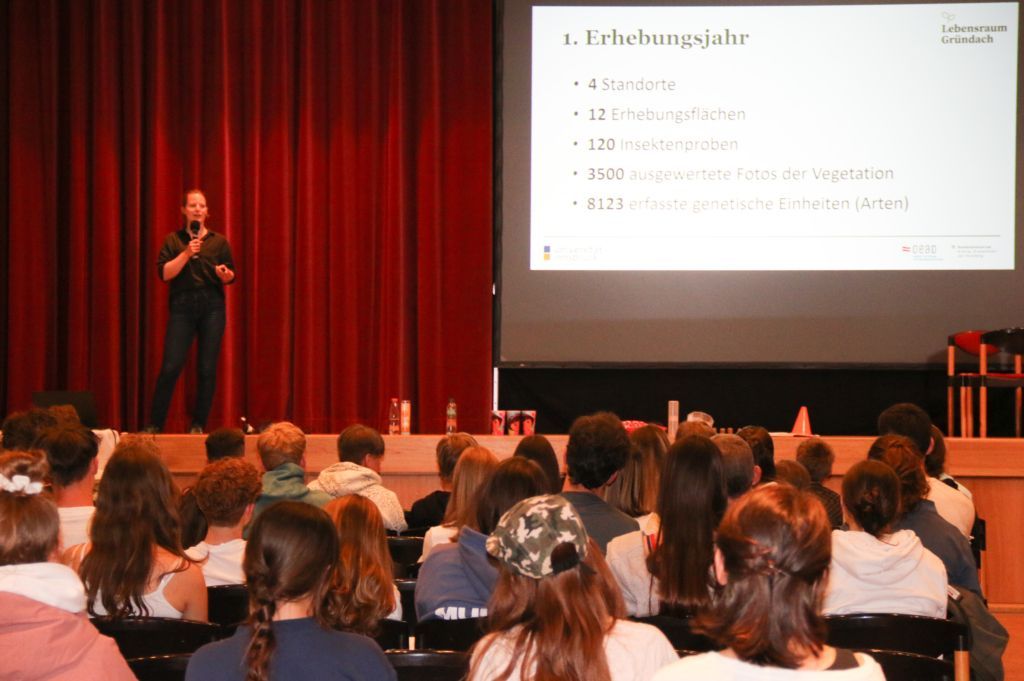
(345, 149)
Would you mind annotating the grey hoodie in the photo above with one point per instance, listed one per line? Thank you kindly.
(350, 478)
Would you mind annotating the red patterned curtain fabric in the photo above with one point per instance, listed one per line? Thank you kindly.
(345, 150)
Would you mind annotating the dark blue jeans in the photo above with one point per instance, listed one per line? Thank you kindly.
(193, 313)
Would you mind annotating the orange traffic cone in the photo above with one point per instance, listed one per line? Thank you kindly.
(802, 425)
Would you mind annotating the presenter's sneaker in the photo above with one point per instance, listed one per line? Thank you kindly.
(196, 429)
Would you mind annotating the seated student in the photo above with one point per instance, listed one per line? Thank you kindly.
(596, 452)
(817, 457)
(763, 448)
(220, 444)
(556, 608)
(772, 554)
(71, 453)
(133, 564)
(668, 571)
(282, 449)
(226, 492)
(364, 588)
(538, 449)
(475, 466)
(21, 429)
(635, 489)
(792, 473)
(875, 569)
(738, 468)
(918, 513)
(913, 422)
(935, 464)
(430, 510)
(290, 562)
(457, 579)
(44, 632)
(360, 455)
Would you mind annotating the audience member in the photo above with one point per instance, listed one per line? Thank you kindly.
(538, 449)
(763, 448)
(430, 510)
(220, 444)
(226, 492)
(71, 454)
(282, 449)
(360, 455)
(875, 569)
(792, 473)
(935, 463)
(471, 472)
(738, 468)
(21, 429)
(364, 589)
(817, 457)
(918, 513)
(668, 570)
(457, 579)
(43, 632)
(687, 428)
(556, 613)
(772, 556)
(133, 564)
(913, 422)
(635, 489)
(290, 563)
(596, 452)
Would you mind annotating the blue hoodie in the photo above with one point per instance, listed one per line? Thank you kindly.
(456, 580)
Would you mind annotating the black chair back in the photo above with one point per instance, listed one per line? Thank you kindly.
(160, 667)
(228, 605)
(405, 552)
(457, 635)
(392, 634)
(407, 594)
(927, 636)
(148, 636)
(910, 667)
(679, 633)
(428, 665)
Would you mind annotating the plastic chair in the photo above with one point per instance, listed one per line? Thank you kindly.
(927, 636)
(679, 633)
(910, 667)
(405, 552)
(148, 636)
(407, 592)
(428, 665)
(457, 635)
(1010, 341)
(392, 634)
(228, 606)
(968, 342)
(160, 667)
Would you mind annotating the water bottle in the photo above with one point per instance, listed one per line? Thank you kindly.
(394, 417)
(450, 425)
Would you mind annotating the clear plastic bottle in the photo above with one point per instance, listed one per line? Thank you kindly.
(394, 417)
(450, 417)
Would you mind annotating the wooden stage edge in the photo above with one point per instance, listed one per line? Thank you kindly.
(992, 468)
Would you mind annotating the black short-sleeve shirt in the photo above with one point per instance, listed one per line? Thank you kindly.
(199, 272)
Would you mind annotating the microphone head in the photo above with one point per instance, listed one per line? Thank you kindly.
(194, 227)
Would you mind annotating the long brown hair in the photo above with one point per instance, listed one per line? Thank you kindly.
(363, 591)
(635, 490)
(292, 553)
(560, 622)
(691, 502)
(776, 545)
(29, 524)
(136, 512)
(475, 465)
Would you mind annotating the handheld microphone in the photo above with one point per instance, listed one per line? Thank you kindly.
(193, 228)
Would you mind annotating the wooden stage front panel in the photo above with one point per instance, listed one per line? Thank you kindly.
(993, 469)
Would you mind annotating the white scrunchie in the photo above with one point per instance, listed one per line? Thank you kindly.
(20, 483)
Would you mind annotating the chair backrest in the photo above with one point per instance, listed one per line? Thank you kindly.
(148, 636)
(679, 633)
(910, 667)
(392, 634)
(405, 552)
(450, 634)
(407, 594)
(160, 667)
(428, 665)
(228, 605)
(1007, 340)
(969, 342)
(902, 633)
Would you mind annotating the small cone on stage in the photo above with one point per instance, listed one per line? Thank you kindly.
(802, 425)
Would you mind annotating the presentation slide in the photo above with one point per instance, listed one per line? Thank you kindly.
(842, 137)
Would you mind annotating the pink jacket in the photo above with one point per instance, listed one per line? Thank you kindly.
(39, 641)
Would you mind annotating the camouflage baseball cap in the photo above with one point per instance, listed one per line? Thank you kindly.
(529, 532)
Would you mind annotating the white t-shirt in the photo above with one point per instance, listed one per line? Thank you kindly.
(718, 667)
(223, 561)
(953, 505)
(438, 534)
(74, 524)
(627, 559)
(635, 652)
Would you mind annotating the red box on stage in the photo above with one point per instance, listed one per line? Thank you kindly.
(529, 420)
(512, 422)
(498, 422)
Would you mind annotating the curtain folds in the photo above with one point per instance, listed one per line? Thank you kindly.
(345, 150)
